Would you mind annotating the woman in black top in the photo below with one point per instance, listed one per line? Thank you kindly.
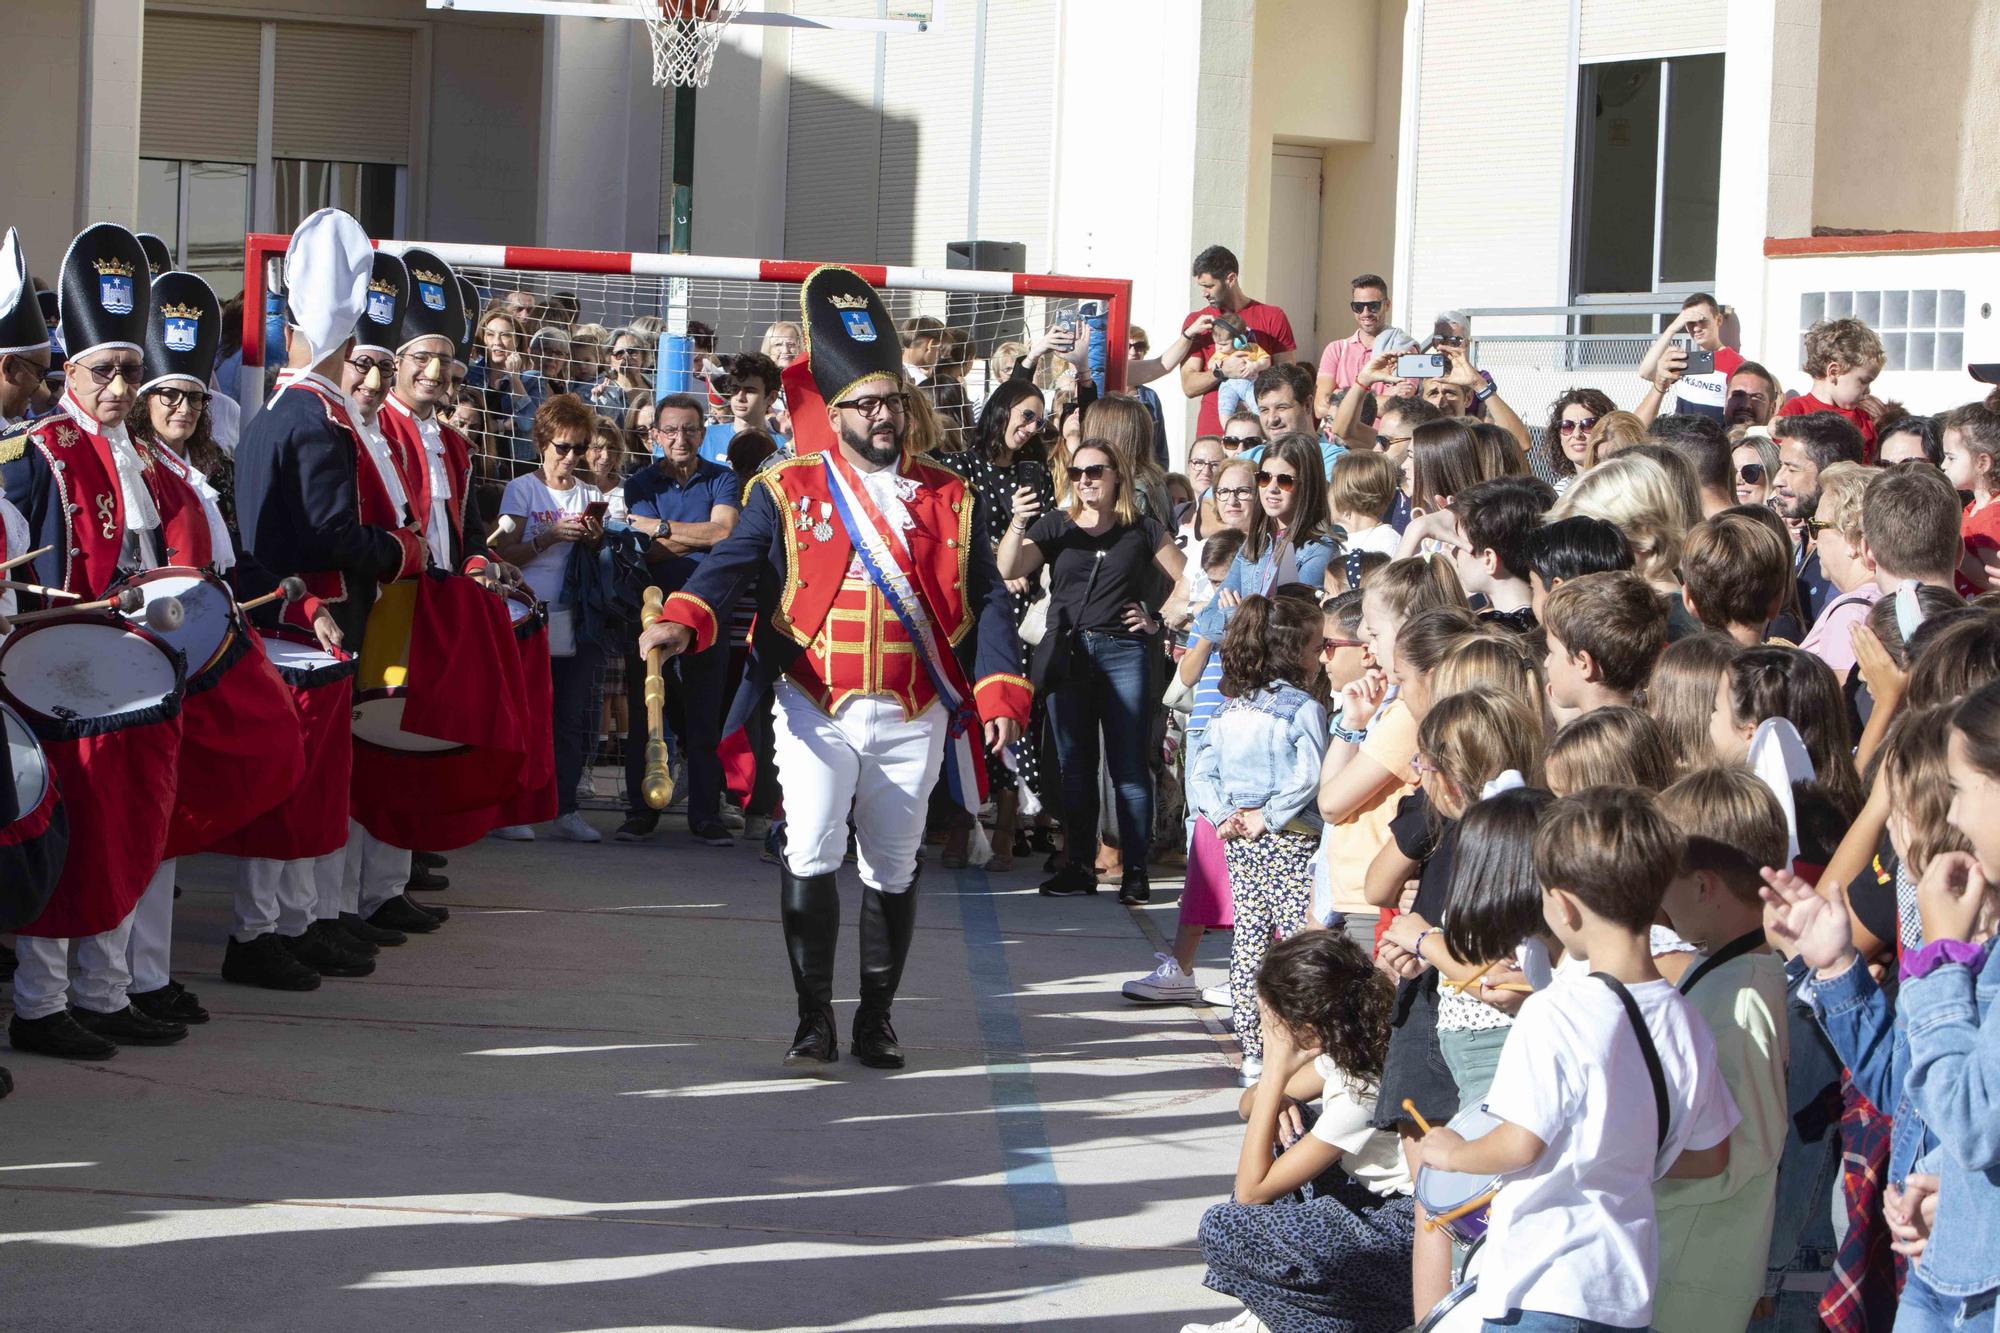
(1106, 563)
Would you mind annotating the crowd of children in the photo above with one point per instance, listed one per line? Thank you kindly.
(1611, 884)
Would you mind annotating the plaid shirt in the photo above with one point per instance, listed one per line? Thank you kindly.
(1867, 1274)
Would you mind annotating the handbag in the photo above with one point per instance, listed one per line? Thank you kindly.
(562, 631)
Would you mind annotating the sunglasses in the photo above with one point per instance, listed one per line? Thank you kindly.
(563, 449)
(1751, 473)
(1365, 307)
(1328, 647)
(1813, 527)
(1571, 426)
(109, 371)
(1284, 481)
(1090, 471)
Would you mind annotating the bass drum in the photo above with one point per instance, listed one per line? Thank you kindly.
(1455, 1313)
(34, 829)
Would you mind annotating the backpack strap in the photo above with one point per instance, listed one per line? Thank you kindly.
(1646, 1049)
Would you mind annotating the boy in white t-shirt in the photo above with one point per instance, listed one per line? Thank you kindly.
(1572, 1230)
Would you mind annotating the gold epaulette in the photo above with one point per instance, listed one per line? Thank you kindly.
(14, 441)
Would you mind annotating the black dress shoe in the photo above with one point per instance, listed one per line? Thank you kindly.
(358, 928)
(399, 913)
(425, 879)
(327, 958)
(436, 912)
(1133, 888)
(171, 1003)
(59, 1035)
(266, 962)
(1072, 881)
(430, 860)
(814, 1044)
(129, 1027)
(874, 1041)
(6, 1081)
(341, 938)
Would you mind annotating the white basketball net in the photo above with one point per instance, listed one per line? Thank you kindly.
(685, 34)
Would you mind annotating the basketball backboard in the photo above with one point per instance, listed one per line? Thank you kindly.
(899, 16)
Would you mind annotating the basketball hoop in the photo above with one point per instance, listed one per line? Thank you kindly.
(685, 34)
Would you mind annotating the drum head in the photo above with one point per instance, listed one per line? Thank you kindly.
(379, 721)
(1441, 1191)
(25, 762)
(288, 656)
(66, 670)
(209, 621)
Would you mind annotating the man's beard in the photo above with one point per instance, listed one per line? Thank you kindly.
(863, 443)
(1800, 507)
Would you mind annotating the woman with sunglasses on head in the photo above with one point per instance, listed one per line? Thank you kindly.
(1109, 569)
(1566, 450)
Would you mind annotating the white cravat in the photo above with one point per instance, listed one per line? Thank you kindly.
(377, 445)
(142, 519)
(222, 551)
(437, 528)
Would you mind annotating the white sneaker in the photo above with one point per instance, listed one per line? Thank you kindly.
(1253, 1069)
(1165, 984)
(1217, 997)
(576, 828)
(514, 833)
(586, 786)
(1243, 1323)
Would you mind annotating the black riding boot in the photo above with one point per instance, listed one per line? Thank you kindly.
(810, 910)
(887, 922)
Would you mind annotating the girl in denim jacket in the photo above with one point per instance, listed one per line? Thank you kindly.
(1255, 780)
(1941, 1066)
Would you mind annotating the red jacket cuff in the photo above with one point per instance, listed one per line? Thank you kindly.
(684, 608)
(1001, 696)
(300, 614)
(413, 554)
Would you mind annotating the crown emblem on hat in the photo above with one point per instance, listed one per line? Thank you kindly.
(382, 287)
(844, 302)
(112, 268)
(421, 276)
(180, 312)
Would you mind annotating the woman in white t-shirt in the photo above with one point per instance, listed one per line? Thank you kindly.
(1319, 1234)
(542, 515)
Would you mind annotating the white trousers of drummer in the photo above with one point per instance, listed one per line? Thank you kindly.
(42, 977)
(279, 897)
(866, 760)
(150, 949)
(375, 871)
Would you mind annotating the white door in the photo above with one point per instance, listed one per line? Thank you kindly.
(1292, 248)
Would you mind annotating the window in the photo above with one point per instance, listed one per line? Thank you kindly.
(371, 191)
(1920, 330)
(201, 210)
(1649, 164)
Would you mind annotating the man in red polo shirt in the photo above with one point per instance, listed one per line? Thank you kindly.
(1207, 365)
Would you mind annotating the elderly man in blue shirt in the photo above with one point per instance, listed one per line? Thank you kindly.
(686, 505)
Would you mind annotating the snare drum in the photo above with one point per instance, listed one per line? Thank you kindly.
(1445, 1193)
(211, 626)
(103, 699)
(34, 829)
(312, 821)
(382, 683)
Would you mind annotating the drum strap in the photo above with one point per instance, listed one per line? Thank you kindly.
(1646, 1049)
(1747, 942)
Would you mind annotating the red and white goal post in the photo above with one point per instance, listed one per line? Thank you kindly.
(737, 297)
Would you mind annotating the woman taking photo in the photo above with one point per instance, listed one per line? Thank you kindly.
(541, 515)
(1109, 572)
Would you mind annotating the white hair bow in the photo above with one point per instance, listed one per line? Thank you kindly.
(1506, 780)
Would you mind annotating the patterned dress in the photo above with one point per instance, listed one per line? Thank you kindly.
(995, 485)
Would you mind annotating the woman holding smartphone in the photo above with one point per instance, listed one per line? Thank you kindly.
(542, 515)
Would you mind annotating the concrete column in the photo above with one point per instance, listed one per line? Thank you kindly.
(600, 144)
(1770, 114)
(741, 132)
(45, 45)
(107, 160)
(1223, 165)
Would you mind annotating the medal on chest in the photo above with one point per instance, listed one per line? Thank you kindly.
(820, 529)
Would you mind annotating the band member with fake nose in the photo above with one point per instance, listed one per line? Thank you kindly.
(80, 481)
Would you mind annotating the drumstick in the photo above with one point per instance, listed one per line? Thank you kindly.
(658, 784)
(126, 602)
(39, 590)
(1435, 1221)
(1466, 985)
(1416, 1115)
(291, 588)
(1518, 987)
(6, 565)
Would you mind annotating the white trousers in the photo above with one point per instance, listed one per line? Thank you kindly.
(150, 949)
(374, 872)
(866, 759)
(272, 896)
(325, 878)
(42, 974)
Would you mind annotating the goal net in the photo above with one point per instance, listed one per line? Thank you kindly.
(690, 307)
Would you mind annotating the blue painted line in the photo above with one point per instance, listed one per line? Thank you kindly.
(1041, 1213)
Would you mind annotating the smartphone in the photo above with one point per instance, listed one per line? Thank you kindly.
(1700, 361)
(1032, 472)
(597, 509)
(1066, 320)
(1420, 366)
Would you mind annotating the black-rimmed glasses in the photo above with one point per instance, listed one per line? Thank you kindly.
(894, 404)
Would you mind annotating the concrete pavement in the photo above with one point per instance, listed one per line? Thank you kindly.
(564, 1113)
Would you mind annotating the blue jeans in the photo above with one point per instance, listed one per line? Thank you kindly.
(1923, 1310)
(1106, 688)
(574, 680)
(694, 713)
(1534, 1321)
